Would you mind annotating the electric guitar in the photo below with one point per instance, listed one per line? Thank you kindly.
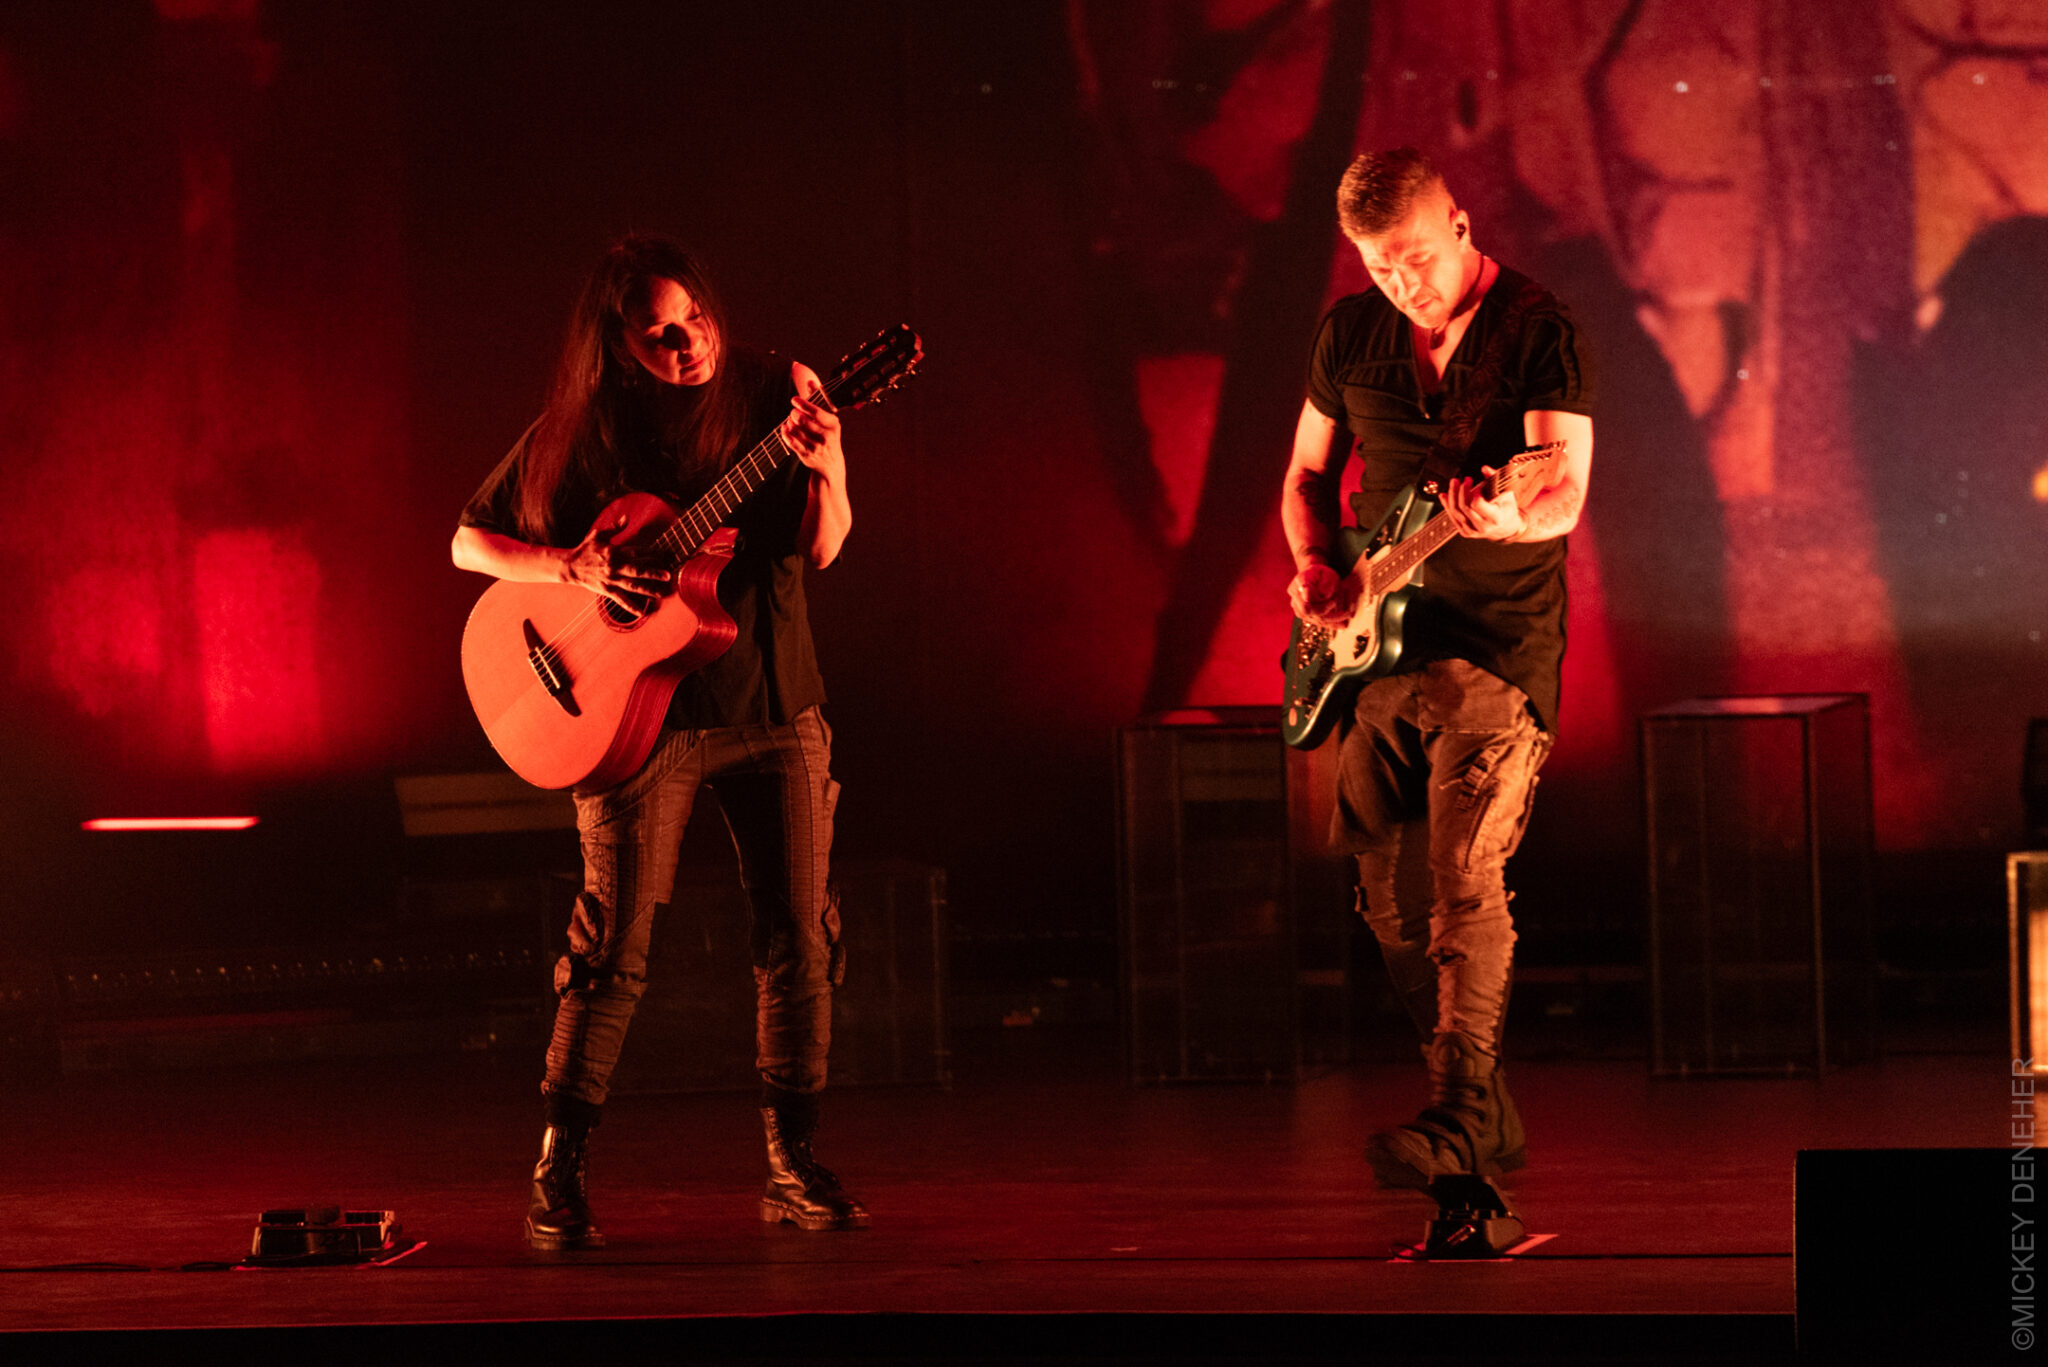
(572, 688)
(1324, 667)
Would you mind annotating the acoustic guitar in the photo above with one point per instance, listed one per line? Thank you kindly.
(572, 688)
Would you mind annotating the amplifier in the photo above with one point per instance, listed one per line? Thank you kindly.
(694, 1028)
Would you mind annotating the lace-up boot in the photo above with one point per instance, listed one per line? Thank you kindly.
(558, 1216)
(1470, 1127)
(800, 1188)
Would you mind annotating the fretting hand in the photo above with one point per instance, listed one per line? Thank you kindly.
(812, 429)
(1476, 515)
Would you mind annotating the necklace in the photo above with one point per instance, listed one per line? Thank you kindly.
(1436, 335)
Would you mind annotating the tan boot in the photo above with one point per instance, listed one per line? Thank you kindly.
(1470, 1127)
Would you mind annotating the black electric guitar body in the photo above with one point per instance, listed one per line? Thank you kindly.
(1325, 666)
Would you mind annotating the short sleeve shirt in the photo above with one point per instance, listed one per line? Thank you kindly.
(770, 673)
(1499, 605)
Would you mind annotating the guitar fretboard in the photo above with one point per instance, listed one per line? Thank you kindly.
(693, 528)
(1393, 568)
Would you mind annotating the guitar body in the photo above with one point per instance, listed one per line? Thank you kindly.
(1324, 669)
(614, 674)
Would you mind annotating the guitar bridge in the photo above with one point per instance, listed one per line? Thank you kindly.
(548, 669)
(1312, 658)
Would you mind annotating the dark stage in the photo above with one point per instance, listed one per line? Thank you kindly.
(1040, 1208)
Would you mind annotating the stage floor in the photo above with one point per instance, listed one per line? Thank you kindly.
(1044, 1189)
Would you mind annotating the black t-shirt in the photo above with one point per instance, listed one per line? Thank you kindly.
(1499, 605)
(770, 673)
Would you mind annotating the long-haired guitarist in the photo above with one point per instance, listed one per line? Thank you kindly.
(652, 396)
(1436, 377)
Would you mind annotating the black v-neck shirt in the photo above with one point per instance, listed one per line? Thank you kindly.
(1498, 605)
(770, 673)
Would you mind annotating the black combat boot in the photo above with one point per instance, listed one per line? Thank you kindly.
(1470, 1127)
(558, 1217)
(800, 1188)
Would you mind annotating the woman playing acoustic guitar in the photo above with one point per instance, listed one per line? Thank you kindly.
(650, 396)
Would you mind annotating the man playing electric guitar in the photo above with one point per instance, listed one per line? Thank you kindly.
(1437, 377)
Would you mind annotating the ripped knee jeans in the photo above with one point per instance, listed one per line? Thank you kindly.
(1457, 748)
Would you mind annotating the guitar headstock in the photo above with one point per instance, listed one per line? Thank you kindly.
(871, 370)
(1530, 465)
(1533, 465)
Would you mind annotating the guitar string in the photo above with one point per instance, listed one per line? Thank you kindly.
(1378, 582)
(770, 448)
(591, 616)
(1379, 578)
(732, 489)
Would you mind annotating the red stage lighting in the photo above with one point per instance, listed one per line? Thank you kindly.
(169, 823)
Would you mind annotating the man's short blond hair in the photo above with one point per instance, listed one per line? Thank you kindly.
(1380, 188)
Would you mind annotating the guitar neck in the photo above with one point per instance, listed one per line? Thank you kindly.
(1400, 560)
(708, 514)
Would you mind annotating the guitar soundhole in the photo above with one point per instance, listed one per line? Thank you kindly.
(621, 617)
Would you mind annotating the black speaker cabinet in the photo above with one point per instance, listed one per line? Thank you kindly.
(1920, 1255)
(694, 1029)
(1234, 924)
(489, 862)
(1759, 824)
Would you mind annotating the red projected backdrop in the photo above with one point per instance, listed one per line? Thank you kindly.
(204, 332)
(282, 283)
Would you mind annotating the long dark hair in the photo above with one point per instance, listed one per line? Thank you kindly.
(599, 414)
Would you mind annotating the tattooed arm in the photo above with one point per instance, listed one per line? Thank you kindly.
(1310, 514)
(1554, 510)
